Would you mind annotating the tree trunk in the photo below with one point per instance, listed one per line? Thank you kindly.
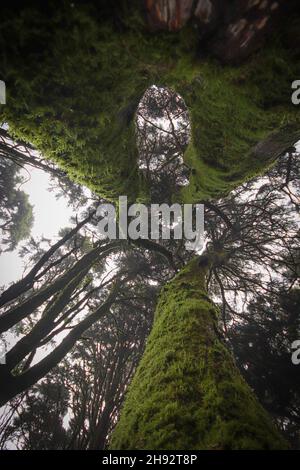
(187, 392)
(99, 436)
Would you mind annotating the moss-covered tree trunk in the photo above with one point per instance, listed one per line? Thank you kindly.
(75, 74)
(187, 392)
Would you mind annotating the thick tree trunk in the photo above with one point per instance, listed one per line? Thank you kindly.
(75, 77)
(187, 392)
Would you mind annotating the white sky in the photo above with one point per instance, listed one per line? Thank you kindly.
(50, 215)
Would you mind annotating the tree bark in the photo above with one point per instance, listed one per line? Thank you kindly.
(187, 392)
(231, 30)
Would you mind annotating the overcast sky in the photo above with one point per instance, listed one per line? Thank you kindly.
(50, 215)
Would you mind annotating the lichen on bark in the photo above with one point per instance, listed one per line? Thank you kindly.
(187, 392)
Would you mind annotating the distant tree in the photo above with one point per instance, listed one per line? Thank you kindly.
(16, 213)
(88, 387)
(62, 289)
(100, 365)
(163, 133)
(38, 424)
(104, 362)
(262, 346)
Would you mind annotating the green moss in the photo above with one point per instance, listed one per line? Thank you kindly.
(232, 109)
(75, 77)
(187, 392)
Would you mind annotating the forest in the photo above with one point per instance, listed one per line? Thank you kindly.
(149, 341)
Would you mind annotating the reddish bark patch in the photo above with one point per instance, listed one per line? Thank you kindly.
(231, 30)
(169, 15)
